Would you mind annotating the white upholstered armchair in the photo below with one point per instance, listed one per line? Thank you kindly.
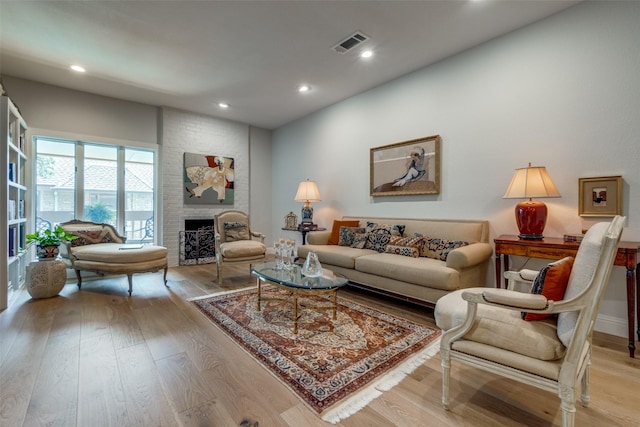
(485, 328)
(235, 240)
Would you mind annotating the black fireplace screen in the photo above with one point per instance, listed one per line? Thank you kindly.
(197, 242)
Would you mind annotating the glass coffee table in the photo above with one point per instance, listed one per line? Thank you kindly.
(297, 284)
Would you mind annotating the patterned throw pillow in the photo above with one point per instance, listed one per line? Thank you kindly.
(92, 236)
(234, 231)
(440, 248)
(359, 240)
(334, 237)
(397, 230)
(409, 251)
(348, 234)
(378, 236)
(414, 242)
(551, 282)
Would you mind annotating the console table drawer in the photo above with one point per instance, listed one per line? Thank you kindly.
(550, 253)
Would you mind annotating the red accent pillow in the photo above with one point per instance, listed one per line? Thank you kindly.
(334, 238)
(552, 283)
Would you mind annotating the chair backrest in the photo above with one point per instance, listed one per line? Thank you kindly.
(232, 219)
(588, 280)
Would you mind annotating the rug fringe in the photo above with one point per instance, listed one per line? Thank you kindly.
(355, 403)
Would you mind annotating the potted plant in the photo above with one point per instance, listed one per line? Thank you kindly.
(48, 242)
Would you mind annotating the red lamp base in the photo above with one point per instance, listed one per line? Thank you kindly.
(531, 217)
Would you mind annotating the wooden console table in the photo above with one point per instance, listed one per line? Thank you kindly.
(557, 248)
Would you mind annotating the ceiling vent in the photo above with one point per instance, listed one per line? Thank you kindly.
(350, 42)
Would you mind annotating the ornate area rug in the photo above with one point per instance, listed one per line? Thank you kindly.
(335, 367)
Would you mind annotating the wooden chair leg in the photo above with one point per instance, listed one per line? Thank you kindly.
(166, 268)
(79, 279)
(446, 376)
(130, 278)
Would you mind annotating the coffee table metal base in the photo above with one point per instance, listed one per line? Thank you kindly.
(295, 292)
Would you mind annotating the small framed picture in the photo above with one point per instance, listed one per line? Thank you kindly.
(600, 196)
(291, 221)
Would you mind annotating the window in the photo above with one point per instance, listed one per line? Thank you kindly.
(115, 186)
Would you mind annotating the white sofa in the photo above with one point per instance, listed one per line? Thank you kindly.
(420, 280)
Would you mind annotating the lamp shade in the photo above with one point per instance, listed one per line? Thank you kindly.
(307, 192)
(532, 181)
(531, 215)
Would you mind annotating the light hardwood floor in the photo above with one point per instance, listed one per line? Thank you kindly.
(97, 357)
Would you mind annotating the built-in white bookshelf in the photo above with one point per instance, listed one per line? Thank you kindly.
(13, 199)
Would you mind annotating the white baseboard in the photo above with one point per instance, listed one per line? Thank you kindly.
(612, 325)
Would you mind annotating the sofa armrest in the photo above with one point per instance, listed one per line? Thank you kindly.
(469, 255)
(318, 237)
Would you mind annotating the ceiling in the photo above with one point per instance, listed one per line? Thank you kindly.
(252, 55)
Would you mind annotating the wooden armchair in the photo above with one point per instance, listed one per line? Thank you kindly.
(484, 327)
(234, 240)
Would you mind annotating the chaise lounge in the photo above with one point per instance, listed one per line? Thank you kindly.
(100, 249)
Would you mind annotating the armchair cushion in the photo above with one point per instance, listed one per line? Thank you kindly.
(500, 327)
(242, 249)
(551, 282)
(236, 230)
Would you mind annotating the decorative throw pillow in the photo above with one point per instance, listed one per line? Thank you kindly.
(440, 248)
(86, 237)
(409, 251)
(348, 234)
(236, 230)
(334, 237)
(359, 240)
(551, 282)
(414, 242)
(397, 230)
(378, 236)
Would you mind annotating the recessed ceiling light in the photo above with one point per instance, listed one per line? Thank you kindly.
(366, 54)
(304, 88)
(223, 105)
(78, 68)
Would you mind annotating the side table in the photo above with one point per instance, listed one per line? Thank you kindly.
(304, 229)
(557, 248)
(45, 279)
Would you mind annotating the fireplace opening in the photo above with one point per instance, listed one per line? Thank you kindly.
(197, 242)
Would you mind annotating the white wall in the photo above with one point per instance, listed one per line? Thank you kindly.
(69, 111)
(563, 93)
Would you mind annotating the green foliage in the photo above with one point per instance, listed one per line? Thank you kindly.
(45, 166)
(98, 212)
(50, 238)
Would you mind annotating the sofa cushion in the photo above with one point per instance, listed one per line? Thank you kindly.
(501, 328)
(348, 234)
(341, 256)
(420, 271)
(334, 237)
(551, 282)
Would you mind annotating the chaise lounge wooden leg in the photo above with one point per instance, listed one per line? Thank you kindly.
(79, 279)
(166, 268)
(130, 278)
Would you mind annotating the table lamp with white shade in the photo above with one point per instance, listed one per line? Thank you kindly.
(531, 215)
(307, 193)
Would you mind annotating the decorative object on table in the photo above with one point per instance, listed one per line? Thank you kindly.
(208, 179)
(307, 193)
(45, 279)
(312, 267)
(573, 237)
(406, 168)
(361, 354)
(531, 215)
(48, 242)
(601, 196)
(291, 221)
